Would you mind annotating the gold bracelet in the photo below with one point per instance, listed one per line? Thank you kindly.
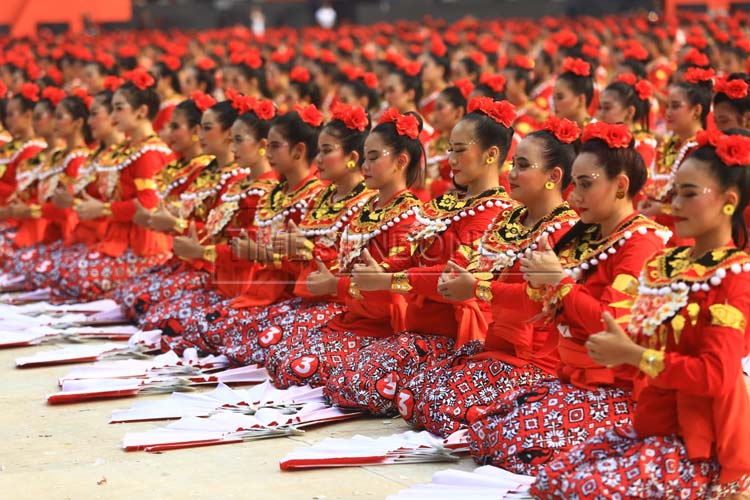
(106, 209)
(209, 253)
(308, 245)
(354, 291)
(535, 294)
(77, 202)
(400, 283)
(483, 291)
(35, 211)
(652, 362)
(180, 226)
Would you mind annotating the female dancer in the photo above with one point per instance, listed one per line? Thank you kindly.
(688, 332)
(596, 271)
(428, 328)
(516, 352)
(450, 107)
(574, 91)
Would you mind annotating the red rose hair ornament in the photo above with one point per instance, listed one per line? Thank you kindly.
(140, 78)
(698, 75)
(299, 75)
(353, 117)
(205, 64)
(496, 82)
(202, 100)
(309, 114)
(734, 89)
(732, 150)
(616, 136)
(53, 95)
(406, 125)
(576, 66)
(564, 130)
(264, 109)
(112, 83)
(465, 85)
(502, 112)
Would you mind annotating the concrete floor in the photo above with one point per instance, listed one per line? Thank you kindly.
(70, 453)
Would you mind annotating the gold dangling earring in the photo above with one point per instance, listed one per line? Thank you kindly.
(262, 151)
(728, 209)
(351, 165)
(549, 185)
(620, 195)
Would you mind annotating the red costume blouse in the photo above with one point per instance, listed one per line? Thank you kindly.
(15, 166)
(383, 232)
(601, 276)
(693, 314)
(447, 228)
(512, 337)
(125, 176)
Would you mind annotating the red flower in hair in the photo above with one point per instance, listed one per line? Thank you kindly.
(55, 74)
(202, 100)
(53, 94)
(140, 79)
(696, 41)
(346, 45)
(576, 66)
(478, 57)
(496, 82)
(250, 59)
(127, 51)
(354, 117)
(734, 150)
(406, 125)
(112, 83)
(205, 64)
(566, 38)
(412, 68)
(299, 75)
(734, 89)
(244, 104)
(564, 130)
(264, 109)
(635, 52)
(615, 135)
(370, 80)
(171, 62)
(628, 78)
(502, 112)
(644, 89)
(698, 75)
(590, 51)
(438, 47)
(327, 57)
(743, 45)
(696, 58)
(309, 114)
(522, 62)
(465, 85)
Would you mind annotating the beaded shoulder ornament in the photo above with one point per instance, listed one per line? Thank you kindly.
(668, 160)
(436, 216)
(666, 285)
(49, 178)
(277, 206)
(326, 218)
(178, 172)
(27, 172)
(507, 239)
(231, 201)
(207, 186)
(372, 222)
(12, 151)
(585, 253)
(109, 165)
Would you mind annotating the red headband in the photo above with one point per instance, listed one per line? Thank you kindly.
(617, 136)
(502, 112)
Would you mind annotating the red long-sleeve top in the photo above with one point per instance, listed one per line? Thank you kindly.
(130, 177)
(281, 205)
(699, 334)
(383, 232)
(602, 278)
(447, 228)
(512, 336)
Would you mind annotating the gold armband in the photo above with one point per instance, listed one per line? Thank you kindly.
(483, 291)
(209, 253)
(354, 291)
(106, 209)
(400, 283)
(144, 184)
(652, 362)
(535, 294)
(180, 226)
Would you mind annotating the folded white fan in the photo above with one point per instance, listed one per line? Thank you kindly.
(165, 379)
(71, 354)
(26, 339)
(113, 316)
(35, 308)
(26, 297)
(409, 447)
(484, 483)
(224, 428)
(221, 399)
